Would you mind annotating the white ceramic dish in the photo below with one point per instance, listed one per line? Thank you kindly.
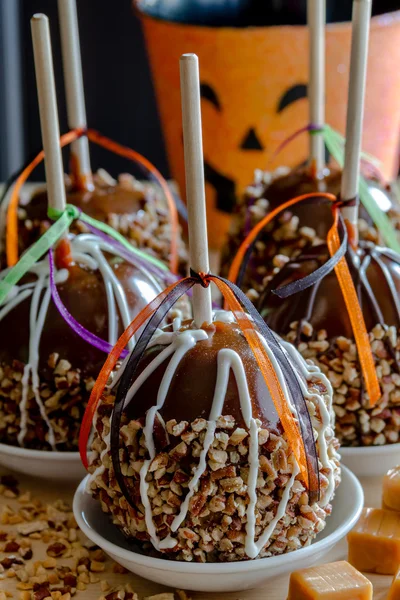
(371, 461)
(218, 577)
(54, 466)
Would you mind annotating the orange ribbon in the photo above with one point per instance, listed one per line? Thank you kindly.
(100, 140)
(270, 377)
(345, 281)
(251, 334)
(109, 366)
(12, 211)
(355, 314)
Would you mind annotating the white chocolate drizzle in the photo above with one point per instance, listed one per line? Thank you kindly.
(326, 414)
(178, 343)
(87, 250)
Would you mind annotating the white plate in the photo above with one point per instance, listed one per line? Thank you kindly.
(218, 577)
(55, 466)
(371, 461)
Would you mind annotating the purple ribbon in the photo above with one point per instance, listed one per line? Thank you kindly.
(86, 335)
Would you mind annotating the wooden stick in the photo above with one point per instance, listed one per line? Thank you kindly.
(48, 111)
(355, 107)
(195, 190)
(73, 80)
(316, 82)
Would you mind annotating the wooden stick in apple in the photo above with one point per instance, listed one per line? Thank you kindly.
(316, 81)
(195, 188)
(73, 79)
(48, 111)
(355, 112)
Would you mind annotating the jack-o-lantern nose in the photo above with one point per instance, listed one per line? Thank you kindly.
(251, 141)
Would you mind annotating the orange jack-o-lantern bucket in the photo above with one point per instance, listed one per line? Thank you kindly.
(254, 87)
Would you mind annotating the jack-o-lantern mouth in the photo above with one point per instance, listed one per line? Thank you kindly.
(225, 188)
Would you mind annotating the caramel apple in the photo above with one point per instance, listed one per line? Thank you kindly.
(317, 322)
(210, 473)
(46, 369)
(60, 318)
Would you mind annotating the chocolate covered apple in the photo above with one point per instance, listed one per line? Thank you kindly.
(210, 473)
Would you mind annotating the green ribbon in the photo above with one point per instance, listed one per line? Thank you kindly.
(335, 144)
(117, 236)
(63, 221)
(39, 249)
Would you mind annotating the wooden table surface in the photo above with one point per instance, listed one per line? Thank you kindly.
(49, 493)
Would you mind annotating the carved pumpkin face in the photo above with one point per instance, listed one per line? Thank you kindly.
(250, 146)
(254, 85)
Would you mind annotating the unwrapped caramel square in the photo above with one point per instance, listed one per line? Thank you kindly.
(394, 592)
(391, 490)
(374, 543)
(334, 581)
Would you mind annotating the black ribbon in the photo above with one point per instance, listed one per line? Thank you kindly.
(130, 370)
(281, 356)
(309, 280)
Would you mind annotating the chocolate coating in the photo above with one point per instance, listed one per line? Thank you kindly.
(375, 272)
(192, 389)
(83, 293)
(300, 181)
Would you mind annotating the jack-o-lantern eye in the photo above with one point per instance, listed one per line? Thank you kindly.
(208, 93)
(291, 95)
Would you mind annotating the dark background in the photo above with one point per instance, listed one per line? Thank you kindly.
(118, 89)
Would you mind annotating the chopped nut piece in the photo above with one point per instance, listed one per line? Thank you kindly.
(96, 566)
(49, 563)
(104, 585)
(33, 527)
(117, 568)
(57, 549)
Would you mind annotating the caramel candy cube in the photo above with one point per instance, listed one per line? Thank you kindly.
(391, 490)
(394, 592)
(374, 543)
(334, 581)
